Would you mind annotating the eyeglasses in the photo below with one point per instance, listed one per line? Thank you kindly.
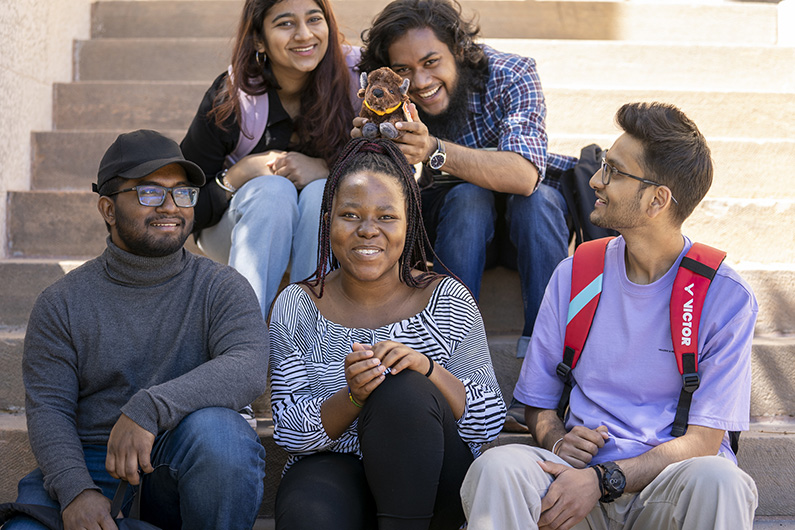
(608, 171)
(154, 195)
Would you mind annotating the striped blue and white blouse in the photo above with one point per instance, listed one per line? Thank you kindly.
(308, 365)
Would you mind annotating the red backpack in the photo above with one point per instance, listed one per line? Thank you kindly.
(692, 281)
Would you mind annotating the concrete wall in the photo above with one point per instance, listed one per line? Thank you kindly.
(35, 51)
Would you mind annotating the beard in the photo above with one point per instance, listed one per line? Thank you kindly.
(451, 122)
(142, 243)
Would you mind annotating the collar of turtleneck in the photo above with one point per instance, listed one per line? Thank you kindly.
(130, 269)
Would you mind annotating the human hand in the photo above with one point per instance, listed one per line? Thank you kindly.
(129, 448)
(298, 168)
(363, 371)
(90, 511)
(251, 166)
(570, 497)
(581, 444)
(417, 144)
(398, 357)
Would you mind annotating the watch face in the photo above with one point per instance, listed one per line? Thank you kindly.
(437, 160)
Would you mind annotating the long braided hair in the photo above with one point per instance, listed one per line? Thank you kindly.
(378, 156)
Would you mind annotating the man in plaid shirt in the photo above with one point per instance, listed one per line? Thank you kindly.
(478, 126)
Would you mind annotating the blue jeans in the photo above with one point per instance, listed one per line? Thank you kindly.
(268, 221)
(536, 227)
(208, 475)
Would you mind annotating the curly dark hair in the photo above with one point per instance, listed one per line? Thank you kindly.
(324, 123)
(443, 17)
(675, 153)
(384, 157)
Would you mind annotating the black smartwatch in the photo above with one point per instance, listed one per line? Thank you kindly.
(439, 157)
(613, 481)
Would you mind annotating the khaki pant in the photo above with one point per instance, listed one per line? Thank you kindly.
(504, 487)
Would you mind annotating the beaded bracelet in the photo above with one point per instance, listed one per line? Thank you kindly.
(350, 396)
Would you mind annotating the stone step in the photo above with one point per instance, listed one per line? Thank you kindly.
(113, 105)
(755, 181)
(561, 63)
(766, 453)
(747, 23)
(68, 160)
(66, 223)
(773, 373)
(760, 523)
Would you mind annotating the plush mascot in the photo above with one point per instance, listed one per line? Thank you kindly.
(385, 99)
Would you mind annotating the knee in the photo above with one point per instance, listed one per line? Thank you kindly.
(716, 472)
(544, 205)
(261, 193)
(223, 440)
(310, 198)
(407, 391)
(468, 203)
(506, 463)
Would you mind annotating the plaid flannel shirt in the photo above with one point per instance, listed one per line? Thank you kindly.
(510, 114)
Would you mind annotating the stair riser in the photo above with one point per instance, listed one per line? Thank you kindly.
(560, 63)
(767, 458)
(772, 384)
(68, 160)
(130, 105)
(753, 231)
(754, 24)
(66, 223)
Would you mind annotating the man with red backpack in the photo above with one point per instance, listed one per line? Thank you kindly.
(663, 377)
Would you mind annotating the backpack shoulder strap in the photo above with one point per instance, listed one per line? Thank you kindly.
(692, 281)
(586, 287)
(254, 120)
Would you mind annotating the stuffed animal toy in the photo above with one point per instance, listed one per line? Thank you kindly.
(384, 93)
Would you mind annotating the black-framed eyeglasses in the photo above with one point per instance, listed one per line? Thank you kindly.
(608, 171)
(154, 195)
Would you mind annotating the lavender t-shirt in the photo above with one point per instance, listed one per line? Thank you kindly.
(627, 377)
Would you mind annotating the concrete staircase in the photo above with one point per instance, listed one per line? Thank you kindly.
(149, 62)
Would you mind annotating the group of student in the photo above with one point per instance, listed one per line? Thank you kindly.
(382, 387)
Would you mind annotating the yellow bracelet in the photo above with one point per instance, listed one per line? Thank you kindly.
(350, 396)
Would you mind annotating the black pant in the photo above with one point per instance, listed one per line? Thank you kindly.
(413, 464)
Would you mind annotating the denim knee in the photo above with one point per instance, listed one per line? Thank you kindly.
(265, 196)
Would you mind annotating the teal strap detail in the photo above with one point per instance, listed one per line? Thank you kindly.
(583, 297)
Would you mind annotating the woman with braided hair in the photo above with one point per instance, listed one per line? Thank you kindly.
(382, 385)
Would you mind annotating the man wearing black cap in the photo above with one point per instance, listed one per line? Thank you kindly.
(138, 360)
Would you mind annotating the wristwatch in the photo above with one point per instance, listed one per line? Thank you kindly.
(613, 481)
(439, 157)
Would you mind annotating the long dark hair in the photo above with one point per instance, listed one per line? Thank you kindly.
(443, 17)
(379, 156)
(324, 123)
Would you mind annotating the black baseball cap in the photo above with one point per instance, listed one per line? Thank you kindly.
(140, 153)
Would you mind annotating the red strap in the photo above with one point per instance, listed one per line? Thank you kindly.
(587, 268)
(695, 273)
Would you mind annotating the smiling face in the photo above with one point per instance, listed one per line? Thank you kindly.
(430, 66)
(149, 230)
(296, 37)
(618, 205)
(368, 226)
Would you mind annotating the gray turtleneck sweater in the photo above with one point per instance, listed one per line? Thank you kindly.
(153, 338)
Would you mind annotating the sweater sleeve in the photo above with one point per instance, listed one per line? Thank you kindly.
(207, 145)
(50, 374)
(296, 412)
(236, 373)
(470, 362)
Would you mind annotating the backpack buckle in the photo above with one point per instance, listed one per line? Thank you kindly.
(563, 370)
(690, 382)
